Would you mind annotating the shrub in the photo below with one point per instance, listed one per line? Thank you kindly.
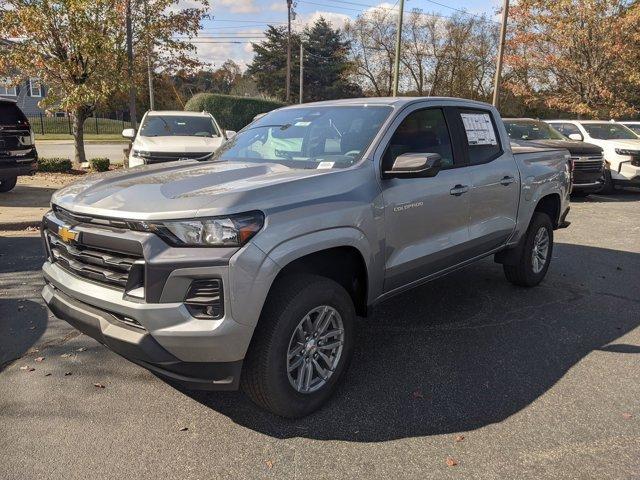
(57, 165)
(231, 112)
(99, 164)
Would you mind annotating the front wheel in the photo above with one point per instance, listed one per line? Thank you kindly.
(7, 184)
(535, 254)
(301, 347)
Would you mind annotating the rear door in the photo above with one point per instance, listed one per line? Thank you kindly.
(495, 180)
(425, 218)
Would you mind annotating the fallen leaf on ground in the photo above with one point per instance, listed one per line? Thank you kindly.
(627, 415)
(451, 462)
(269, 464)
(417, 394)
(98, 385)
(65, 355)
(24, 367)
(47, 374)
(184, 429)
(459, 438)
(39, 359)
(81, 349)
(66, 374)
(32, 328)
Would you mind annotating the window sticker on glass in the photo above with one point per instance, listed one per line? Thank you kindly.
(324, 165)
(479, 129)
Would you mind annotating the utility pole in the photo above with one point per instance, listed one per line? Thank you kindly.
(132, 85)
(149, 50)
(396, 62)
(301, 70)
(503, 35)
(288, 81)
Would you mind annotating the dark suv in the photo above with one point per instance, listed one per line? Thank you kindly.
(587, 163)
(18, 154)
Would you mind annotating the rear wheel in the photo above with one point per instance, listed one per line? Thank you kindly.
(7, 184)
(301, 347)
(535, 254)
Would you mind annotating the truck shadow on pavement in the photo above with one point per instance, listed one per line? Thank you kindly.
(467, 350)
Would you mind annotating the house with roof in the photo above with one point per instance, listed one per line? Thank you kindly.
(27, 93)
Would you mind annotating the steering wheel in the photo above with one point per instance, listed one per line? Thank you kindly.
(352, 153)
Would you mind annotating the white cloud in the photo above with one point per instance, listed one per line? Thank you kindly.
(280, 6)
(337, 20)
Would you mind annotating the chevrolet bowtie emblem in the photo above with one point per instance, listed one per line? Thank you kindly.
(66, 234)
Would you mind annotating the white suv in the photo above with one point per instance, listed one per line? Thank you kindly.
(620, 145)
(167, 136)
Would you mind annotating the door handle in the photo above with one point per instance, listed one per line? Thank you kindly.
(459, 190)
(507, 180)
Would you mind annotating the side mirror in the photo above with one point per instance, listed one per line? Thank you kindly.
(576, 136)
(415, 165)
(230, 134)
(129, 133)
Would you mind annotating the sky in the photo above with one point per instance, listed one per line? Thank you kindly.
(234, 24)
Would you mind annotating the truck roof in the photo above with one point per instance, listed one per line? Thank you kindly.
(181, 113)
(390, 101)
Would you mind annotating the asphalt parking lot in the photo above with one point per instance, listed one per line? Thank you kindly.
(503, 382)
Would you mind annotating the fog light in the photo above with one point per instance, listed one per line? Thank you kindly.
(204, 299)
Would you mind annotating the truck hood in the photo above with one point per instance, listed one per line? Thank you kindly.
(185, 189)
(574, 147)
(178, 144)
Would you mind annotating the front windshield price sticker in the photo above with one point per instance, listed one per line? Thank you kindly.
(323, 165)
(479, 129)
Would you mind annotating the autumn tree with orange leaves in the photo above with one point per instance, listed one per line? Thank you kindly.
(577, 56)
(78, 48)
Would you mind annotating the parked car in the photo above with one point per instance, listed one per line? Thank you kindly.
(18, 155)
(620, 145)
(168, 136)
(587, 163)
(635, 126)
(249, 269)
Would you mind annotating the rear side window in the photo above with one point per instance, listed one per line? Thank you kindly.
(10, 114)
(483, 142)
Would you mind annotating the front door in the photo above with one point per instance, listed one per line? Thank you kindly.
(426, 219)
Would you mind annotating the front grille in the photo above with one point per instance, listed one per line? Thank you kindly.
(160, 157)
(587, 164)
(99, 265)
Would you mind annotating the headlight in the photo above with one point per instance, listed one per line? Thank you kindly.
(141, 153)
(230, 231)
(626, 151)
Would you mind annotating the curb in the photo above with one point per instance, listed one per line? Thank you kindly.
(23, 225)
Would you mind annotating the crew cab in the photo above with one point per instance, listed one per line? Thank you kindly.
(248, 269)
(168, 136)
(620, 145)
(18, 155)
(587, 163)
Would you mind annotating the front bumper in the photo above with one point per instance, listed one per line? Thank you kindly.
(24, 166)
(139, 346)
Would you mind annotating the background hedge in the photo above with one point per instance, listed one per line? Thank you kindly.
(57, 165)
(99, 164)
(231, 112)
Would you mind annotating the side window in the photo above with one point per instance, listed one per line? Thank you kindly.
(422, 131)
(566, 128)
(483, 142)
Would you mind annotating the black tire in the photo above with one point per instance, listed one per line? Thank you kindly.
(608, 187)
(264, 378)
(7, 184)
(521, 272)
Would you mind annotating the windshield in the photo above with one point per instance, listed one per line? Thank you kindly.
(609, 131)
(531, 130)
(177, 125)
(308, 137)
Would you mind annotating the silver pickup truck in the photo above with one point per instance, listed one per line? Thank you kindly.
(249, 269)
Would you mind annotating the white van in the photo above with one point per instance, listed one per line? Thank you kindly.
(167, 136)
